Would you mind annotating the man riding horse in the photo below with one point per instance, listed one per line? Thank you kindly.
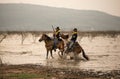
(55, 43)
(56, 36)
(73, 39)
(74, 47)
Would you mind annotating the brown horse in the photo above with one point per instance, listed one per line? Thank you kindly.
(76, 49)
(65, 38)
(49, 43)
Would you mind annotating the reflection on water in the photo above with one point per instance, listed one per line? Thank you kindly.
(104, 53)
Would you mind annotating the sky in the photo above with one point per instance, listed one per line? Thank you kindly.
(109, 6)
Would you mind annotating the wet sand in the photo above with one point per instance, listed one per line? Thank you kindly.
(46, 72)
(103, 51)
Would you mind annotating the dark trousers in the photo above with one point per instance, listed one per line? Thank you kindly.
(71, 44)
(55, 42)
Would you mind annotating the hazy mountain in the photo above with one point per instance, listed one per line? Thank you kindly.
(17, 17)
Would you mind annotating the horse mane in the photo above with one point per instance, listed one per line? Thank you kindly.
(48, 38)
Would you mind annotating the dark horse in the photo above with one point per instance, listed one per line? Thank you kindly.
(76, 50)
(49, 43)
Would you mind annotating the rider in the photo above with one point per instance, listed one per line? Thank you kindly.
(57, 33)
(73, 38)
(56, 37)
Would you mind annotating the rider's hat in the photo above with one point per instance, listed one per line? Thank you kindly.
(57, 28)
(75, 29)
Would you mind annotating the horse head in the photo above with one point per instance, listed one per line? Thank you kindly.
(65, 36)
(43, 37)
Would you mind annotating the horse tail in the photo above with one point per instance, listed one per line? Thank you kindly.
(84, 55)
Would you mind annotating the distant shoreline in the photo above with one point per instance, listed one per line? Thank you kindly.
(80, 33)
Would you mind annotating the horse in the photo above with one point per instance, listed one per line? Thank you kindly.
(65, 38)
(49, 43)
(76, 50)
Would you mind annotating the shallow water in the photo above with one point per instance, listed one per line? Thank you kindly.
(103, 51)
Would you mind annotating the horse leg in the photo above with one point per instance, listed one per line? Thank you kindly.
(65, 53)
(59, 54)
(47, 54)
(62, 52)
(51, 53)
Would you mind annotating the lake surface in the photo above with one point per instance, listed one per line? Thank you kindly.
(103, 51)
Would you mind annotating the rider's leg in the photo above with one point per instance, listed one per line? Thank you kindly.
(71, 44)
(55, 44)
